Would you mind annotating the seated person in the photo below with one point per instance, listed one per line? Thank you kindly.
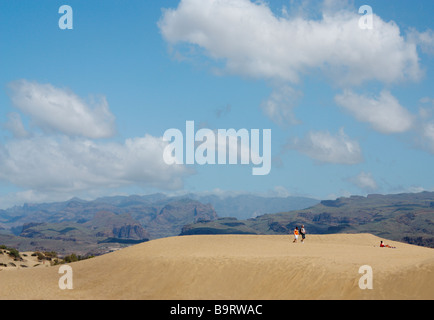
(382, 245)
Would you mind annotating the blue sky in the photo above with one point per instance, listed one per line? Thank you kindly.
(83, 111)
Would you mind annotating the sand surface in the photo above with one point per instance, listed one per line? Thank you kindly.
(238, 267)
(28, 261)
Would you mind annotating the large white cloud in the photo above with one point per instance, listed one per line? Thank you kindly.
(60, 110)
(324, 147)
(253, 41)
(384, 113)
(47, 163)
(247, 38)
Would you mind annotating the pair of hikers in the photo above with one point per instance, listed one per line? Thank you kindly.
(302, 232)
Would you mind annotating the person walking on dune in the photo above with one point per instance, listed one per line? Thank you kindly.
(303, 233)
(295, 234)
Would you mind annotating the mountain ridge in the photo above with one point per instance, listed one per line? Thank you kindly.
(103, 224)
(405, 217)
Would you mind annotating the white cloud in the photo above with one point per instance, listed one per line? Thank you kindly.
(383, 113)
(254, 42)
(45, 163)
(67, 159)
(365, 181)
(246, 38)
(327, 148)
(60, 110)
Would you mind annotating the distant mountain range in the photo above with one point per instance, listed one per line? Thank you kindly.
(246, 206)
(105, 224)
(402, 217)
(98, 226)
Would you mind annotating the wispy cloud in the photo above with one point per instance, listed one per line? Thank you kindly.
(365, 181)
(424, 40)
(324, 147)
(384, 113)
(279, 106)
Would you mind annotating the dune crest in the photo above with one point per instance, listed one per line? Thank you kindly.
(239, 267)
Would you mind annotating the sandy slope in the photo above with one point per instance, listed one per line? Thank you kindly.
(28, 261)
(238, 267)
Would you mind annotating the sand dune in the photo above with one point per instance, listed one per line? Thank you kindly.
(28, 260)
(238, 267)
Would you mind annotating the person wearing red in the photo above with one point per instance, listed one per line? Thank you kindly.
(295, 234)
